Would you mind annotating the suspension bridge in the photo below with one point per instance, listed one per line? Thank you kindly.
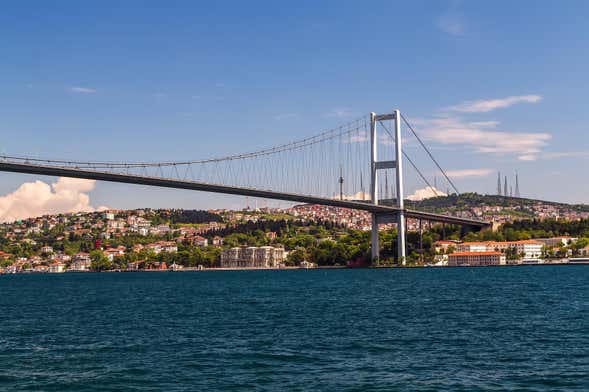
(330, 168)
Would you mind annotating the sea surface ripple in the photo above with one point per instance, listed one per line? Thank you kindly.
(455, 329)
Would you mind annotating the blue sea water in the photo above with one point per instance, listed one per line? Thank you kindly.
(459, 329)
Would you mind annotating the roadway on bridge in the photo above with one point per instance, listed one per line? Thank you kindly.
(231, 190)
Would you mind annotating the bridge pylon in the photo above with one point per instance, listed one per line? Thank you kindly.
(375, 166)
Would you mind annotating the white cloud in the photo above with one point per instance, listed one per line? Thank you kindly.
(564, 154)
(285, 116)
(464, 173)
(339, 113)
(425, 193)
(357, 196)
(360, 137)
(82, 90)
(482, 137)
(363, 136)
(451, 23)
(487, 105)
(528, 157)
(38, 198)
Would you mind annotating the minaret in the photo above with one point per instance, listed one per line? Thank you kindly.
(362, 187)
(499, 183)
(341, 183)
(505, 187)
(381, 194)
(517, 194)
(386, 186)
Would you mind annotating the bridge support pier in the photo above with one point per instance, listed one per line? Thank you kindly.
(375, 166)
(374, 242)
(401, 236)
(374, 245)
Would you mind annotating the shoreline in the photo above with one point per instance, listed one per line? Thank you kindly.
(567, 263)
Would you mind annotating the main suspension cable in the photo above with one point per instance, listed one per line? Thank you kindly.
(410, 160)
(429, 153)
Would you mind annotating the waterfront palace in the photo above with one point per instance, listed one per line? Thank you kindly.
(252, 257)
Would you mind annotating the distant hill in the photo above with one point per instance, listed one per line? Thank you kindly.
(467, 201)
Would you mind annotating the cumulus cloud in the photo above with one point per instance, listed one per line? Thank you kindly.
(487, 105)
(38, 198)
(357, 196)
(425, 193)
(482, 137)
(82, 90)
(464, 173)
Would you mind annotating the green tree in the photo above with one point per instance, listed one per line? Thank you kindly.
(295, 257)
(99, 262)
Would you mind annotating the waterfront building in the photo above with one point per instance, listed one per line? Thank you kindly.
(476, 259)
(175, 267)
(529, 249)
(56, 268)
(134, 265)
(472, 247)
(80, 262)
(442, 245)
(252, 257)
(111, 253)
(307, 264)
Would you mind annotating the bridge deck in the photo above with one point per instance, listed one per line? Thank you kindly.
(205, 187)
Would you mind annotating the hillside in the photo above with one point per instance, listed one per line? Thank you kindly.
(484, 205)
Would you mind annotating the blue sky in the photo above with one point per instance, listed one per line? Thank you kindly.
(491, 85)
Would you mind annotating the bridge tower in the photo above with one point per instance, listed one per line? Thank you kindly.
(375, 166)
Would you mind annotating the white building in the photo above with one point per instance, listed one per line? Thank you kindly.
(201, 241)
(472, 247)
(476, 259)
(46, 249)
(111, 253)
(253, 257)
(529, 249)
(116, 224)
(80, 262)
(163, 246)
(56, 268)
